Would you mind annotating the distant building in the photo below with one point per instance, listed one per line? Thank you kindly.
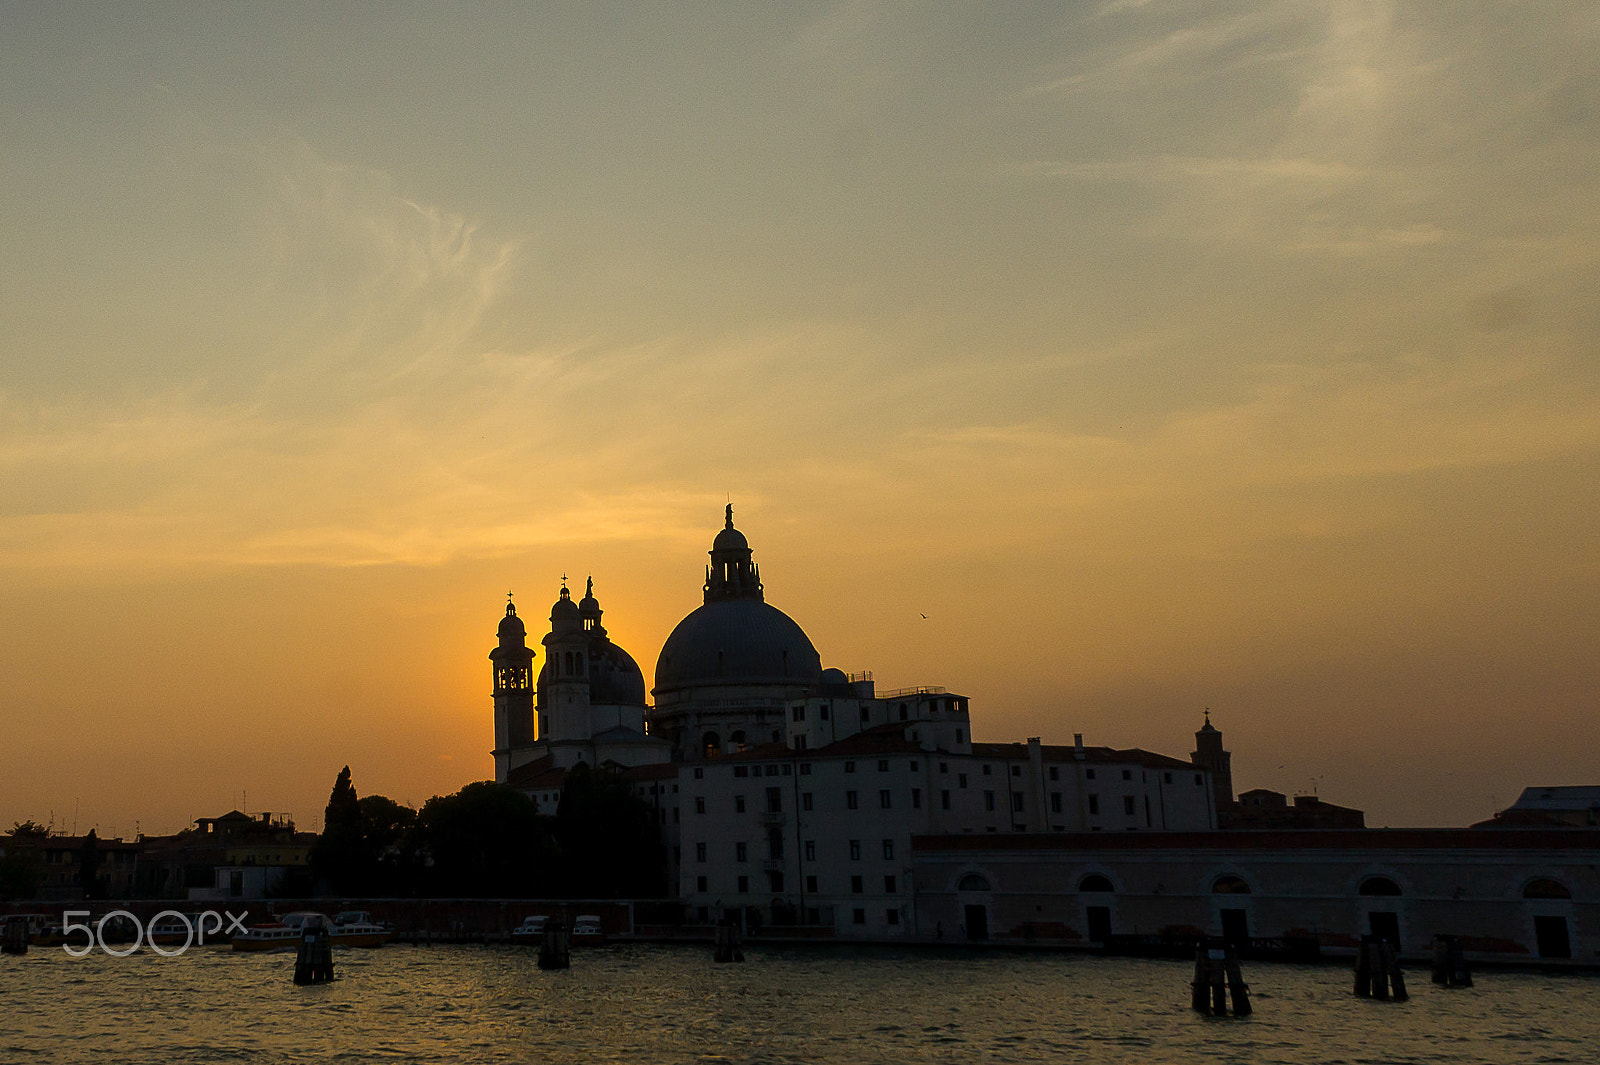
(1262, 808)
(1575, 807)
(236, 855)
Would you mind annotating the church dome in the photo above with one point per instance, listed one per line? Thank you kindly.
(737, 641)
(730, 539)
(564, 609)
(511, 627)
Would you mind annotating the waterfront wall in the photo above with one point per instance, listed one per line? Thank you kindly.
(1510, 895)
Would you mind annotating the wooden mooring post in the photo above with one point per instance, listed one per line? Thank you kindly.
(1216, 977)
(727, 944)
(554, 948)
(14, 937)
(1378, 972)
(313, 962)
(1449, 963)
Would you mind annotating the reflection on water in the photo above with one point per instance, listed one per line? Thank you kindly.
(671, 1004)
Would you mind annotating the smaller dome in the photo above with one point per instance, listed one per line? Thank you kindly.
(511, 626)
(833, 676)
(565, 608)
(730, 539)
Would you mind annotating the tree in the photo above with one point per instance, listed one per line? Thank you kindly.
(610, 846)
(485, 841)
(336, 858)
(22, 867)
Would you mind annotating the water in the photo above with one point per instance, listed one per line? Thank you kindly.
(665, 1005)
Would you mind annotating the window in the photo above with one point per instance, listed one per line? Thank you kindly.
(855, 850)
(888, 850)
(1055, 802)
(805, 769)
(774, 881)
(799, 713)
(988, 800)
(1127, 804)
(744, 885)
(674, 815)
(891, 916)
(811, 850)
(944, 767)
(699, 804)
(855, 885)
(903, 714)
(888, 885)
(1094, 882)
(738, 804)
(799, 745)
(986, 770)
(775, 843)
(699, 774)
(774, 800)
(849, 767)
(850, 800)
(741, 852)
(1016, 802)
(1545, 888)
(958, 736)
(805, 800)
(916, 798)
(1016, 770)
(961, 780)
(883, 765)
(1127, 774)
(1230, 885)
(1199, 779)
(1378, 885)
(944, 799)
(700, 883)
(1094, 804)
(699, 852)
(811, 884)
(885, 799)
(972, 882)
(1088, 774)
(741, 770)
(772, 770)
(823, 713)
(913, 761)
(858, 916)
(1055, 773)
(1166, 778)
(866, 715)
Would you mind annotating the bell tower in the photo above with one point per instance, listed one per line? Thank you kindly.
(1209, 755)
(511, 663)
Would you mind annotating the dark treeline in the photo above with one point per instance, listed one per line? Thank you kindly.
(488, 841)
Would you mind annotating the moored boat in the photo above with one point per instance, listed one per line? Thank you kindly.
(586, 929)
(531, 931)
(354, 929)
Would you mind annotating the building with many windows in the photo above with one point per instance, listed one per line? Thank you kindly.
(788, 793)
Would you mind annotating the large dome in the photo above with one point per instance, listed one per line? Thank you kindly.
(614, 677)
(737, 641)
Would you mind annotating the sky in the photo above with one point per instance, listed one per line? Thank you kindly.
(1166, 355)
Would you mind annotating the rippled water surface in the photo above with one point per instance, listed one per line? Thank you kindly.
(671, 1004)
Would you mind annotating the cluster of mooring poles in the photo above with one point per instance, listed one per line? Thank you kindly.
(14, 937)
(1378, 972)
(313, 961)
(1449, 964)
(1216, 976)
(727, 944)
(554, 947)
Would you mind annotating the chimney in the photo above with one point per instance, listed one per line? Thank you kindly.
(1077, 746)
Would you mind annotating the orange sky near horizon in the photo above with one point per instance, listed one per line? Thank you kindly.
(1166, 356)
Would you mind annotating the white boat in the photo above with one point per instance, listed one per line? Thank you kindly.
(586, 929)
(531, 930)
(355, 929)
